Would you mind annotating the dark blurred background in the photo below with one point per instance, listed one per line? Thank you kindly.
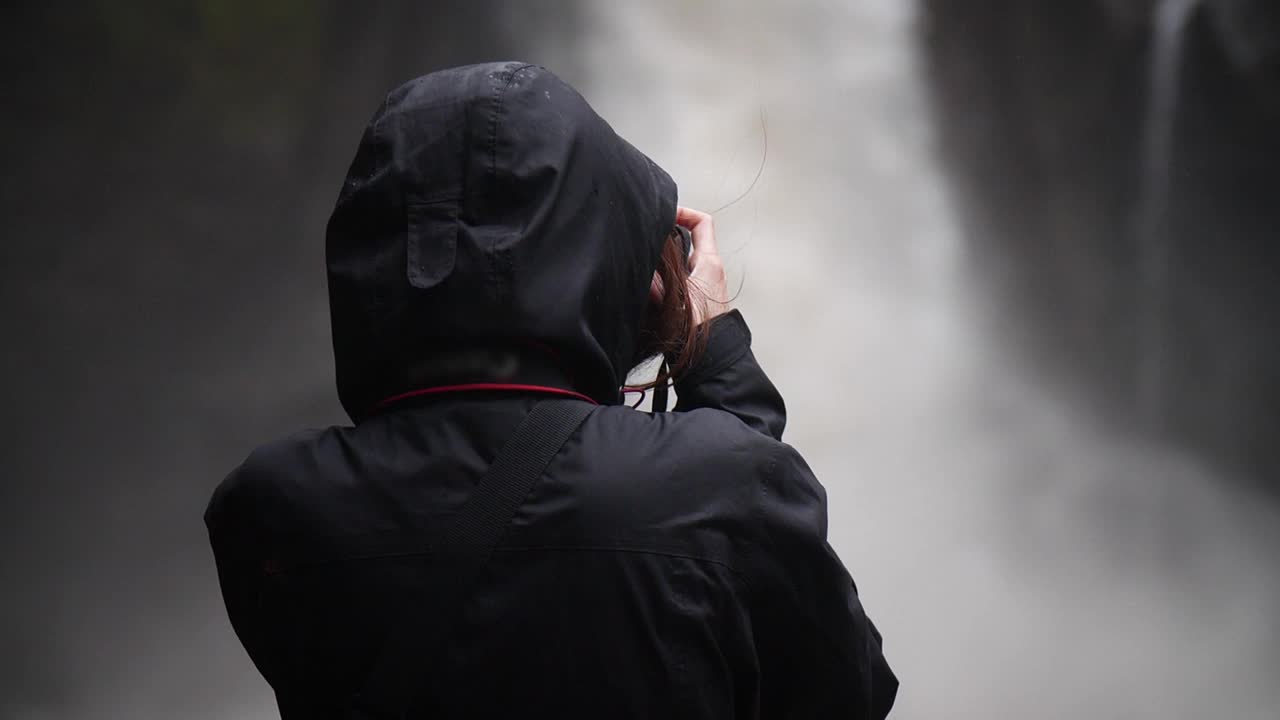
(1012, 264)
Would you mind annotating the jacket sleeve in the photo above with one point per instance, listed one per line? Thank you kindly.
(239, 575)
(819, 654)
(728, 377)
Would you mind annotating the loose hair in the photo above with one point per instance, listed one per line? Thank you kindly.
(668, 327)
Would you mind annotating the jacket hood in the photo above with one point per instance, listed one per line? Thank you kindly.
(490, 205)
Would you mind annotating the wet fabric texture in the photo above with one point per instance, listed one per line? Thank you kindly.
(493, 244)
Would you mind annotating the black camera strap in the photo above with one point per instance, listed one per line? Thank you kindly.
(659, 402)
(409, 661)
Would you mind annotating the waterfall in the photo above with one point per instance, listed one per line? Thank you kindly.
(1022, 559)
(1169, 25)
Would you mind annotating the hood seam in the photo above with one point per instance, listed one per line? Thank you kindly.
(498, 95)
(500, 267)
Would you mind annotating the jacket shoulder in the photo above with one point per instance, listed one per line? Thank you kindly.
(780, 494)
(261, 481)
(682, 481)
(713, 444)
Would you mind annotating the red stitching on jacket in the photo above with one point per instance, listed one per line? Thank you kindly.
(481, 386)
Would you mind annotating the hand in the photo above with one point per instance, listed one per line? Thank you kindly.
(707, 275)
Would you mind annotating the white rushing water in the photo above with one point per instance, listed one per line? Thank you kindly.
(1169, 23)
(1023, 560)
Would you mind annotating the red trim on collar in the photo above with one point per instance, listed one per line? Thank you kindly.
(480, 386)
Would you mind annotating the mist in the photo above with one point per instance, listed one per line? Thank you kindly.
(1024, 557)
(1028, 546)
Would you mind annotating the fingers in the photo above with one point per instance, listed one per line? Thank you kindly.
(707, 272)
(702, 227)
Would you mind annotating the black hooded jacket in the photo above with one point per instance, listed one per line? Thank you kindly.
(492, 245)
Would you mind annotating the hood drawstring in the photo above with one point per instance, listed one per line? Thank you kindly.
(638, 400)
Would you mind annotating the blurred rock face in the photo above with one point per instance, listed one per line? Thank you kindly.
(1251, 31)
(1116, 165)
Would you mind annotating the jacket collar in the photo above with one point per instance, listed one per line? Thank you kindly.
(481, 368)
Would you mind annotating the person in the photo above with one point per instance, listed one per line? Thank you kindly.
(495, 243)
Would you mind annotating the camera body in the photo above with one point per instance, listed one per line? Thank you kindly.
(686, 240)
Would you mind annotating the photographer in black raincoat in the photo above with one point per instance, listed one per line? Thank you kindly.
(496, 244)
